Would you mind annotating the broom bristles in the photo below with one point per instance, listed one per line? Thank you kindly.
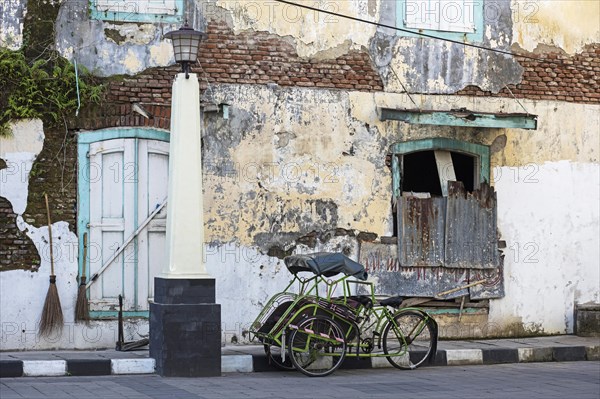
(82, 310)
(52, 316)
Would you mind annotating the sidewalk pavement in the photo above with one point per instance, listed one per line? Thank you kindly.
(251, 358)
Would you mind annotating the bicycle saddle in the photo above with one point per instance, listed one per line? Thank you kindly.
(394, 301)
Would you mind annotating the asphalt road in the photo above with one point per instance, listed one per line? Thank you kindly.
(525, 380)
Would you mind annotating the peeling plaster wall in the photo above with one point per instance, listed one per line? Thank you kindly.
(12, 14)
(425, 65)
(549, 215)
(107, 48)
(545, 179)
(548, 195)
(315, 35)
(262, 190)
(566, 24)
(304, 169)
(405, 63)
(290, 161)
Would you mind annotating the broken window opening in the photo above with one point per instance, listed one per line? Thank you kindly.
(420, 174)
(464, 167)
(430, 171)
(445, 229)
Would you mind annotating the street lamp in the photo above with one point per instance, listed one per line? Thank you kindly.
(186, 42)
(185, 320)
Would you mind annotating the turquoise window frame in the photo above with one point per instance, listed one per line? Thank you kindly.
(137, 17)
(84, 140)
(477, 36)
(481, 153)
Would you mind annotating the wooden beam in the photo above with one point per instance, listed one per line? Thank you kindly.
(460, 117)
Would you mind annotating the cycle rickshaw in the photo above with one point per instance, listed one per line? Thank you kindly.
(313, 330)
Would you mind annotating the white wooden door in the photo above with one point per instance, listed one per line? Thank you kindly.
(153, 163)
(128, 181)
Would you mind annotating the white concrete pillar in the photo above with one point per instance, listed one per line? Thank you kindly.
(185, 219)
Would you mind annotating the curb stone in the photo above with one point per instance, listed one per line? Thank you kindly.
(246, 363)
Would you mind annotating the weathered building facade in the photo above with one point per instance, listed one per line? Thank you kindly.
(321, 133)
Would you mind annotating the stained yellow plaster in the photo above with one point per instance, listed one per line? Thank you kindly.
(275, 177)
(325, 145)
(313, 33)
(568, 24)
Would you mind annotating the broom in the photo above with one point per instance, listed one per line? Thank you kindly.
(52, 316)
(82, 310)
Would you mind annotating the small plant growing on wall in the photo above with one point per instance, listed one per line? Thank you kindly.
(44, 88)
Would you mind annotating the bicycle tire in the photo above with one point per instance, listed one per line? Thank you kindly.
(409, 346)
(317, 346)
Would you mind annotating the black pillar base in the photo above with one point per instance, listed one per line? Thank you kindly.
(185, 328)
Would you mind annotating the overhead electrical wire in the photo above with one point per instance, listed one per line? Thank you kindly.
(505, 52)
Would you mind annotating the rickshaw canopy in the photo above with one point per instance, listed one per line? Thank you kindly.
(325, 264)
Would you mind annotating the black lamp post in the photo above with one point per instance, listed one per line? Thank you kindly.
(186, 41)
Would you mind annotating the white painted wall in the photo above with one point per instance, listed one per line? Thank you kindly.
(549, 215)
(22, 295)
(18, 152)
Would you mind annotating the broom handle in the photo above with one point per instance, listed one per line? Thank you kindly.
(85, 243)
(50, 236)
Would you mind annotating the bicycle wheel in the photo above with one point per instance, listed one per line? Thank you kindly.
(274, 355)
(408, 340)
(317, 346)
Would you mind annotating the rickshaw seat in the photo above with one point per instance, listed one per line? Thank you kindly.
(394, 301)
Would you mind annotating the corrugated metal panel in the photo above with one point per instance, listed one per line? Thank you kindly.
(381, 262)
(471, 238)
(421, 231)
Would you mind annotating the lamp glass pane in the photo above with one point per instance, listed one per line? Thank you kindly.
(185, 45)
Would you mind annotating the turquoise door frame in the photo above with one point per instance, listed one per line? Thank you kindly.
(84, 139)
(480, 152)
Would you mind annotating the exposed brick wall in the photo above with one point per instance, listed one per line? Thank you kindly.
(54, 172)
(121, 115)
(16, 249)
(257, 57)
(260, 58)
(227, 58)
(558, 77)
